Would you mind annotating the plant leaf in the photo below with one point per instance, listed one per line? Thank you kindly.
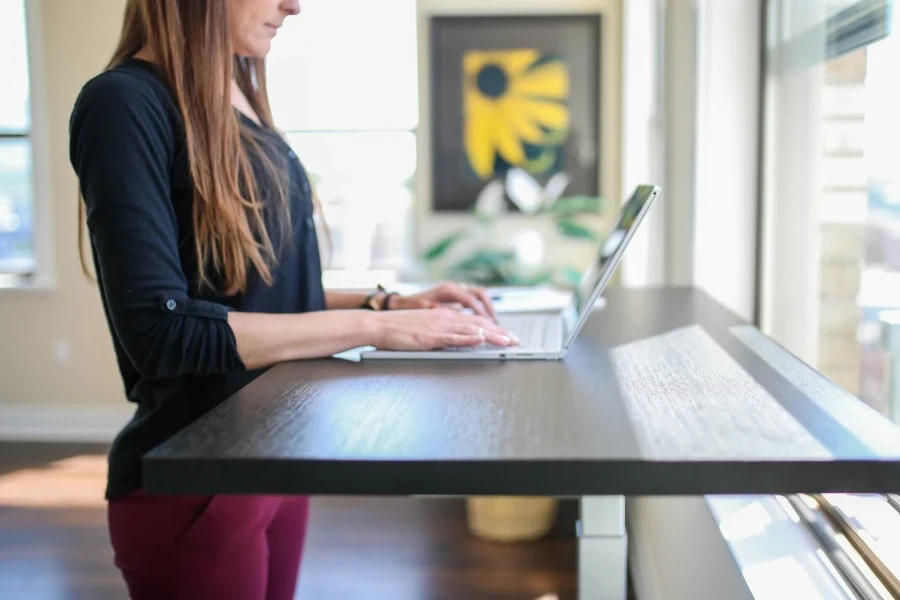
(485, 266)
(524, 190)
(486, 258)
(554, 189)
(442, 246)
(571, 229)
(490, 202)
(578, 204)
(571, 276)
(530, 279)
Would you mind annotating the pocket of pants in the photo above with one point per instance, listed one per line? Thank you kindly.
(202, 523)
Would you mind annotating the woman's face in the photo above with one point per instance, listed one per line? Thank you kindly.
(253, 23)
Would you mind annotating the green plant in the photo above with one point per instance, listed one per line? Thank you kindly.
(473, 255)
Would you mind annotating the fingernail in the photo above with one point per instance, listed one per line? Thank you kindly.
(505, 340)
(513, 337)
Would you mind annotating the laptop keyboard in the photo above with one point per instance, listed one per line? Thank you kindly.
(531, 331)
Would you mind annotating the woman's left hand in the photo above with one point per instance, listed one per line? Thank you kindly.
(449, 294)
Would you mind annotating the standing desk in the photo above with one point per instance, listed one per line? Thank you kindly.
(665, 392)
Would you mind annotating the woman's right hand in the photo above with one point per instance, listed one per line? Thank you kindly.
(430, 329)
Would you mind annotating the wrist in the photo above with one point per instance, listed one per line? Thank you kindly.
(393, 301)
(380, 299)
(371, 328)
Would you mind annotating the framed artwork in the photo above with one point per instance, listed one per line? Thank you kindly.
(513, 91)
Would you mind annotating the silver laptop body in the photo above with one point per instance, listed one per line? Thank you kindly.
(548, 336)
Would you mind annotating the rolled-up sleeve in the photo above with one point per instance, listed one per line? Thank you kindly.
(121, 147)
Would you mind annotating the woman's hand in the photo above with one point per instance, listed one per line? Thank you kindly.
(466, 296)
(436, 328)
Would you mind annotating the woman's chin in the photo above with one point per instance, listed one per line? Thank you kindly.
(258, 49)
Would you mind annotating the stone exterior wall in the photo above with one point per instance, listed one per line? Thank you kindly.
(842, 220)
(839, 313)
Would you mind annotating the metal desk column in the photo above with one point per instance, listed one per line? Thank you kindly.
(602, 549)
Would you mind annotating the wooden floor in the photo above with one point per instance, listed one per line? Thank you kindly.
(54, 544)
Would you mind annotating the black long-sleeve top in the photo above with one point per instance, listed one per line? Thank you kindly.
(175, 349)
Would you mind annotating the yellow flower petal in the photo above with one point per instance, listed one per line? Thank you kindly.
(550, 80)
(473, 61)
(514, 62)
(520, 120)
(480, 115)
(551, 115)
(508, 144)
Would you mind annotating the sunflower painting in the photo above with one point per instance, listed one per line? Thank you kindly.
(512, 92)
(515, 112)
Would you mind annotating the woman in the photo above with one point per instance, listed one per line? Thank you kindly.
(204, 246)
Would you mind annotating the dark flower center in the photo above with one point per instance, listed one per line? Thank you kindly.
(492, 81)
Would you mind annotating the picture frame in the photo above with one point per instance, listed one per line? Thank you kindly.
(500, 82)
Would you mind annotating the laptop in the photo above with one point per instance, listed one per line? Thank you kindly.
(548, 336)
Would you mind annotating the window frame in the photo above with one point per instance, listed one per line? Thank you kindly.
(43, 277)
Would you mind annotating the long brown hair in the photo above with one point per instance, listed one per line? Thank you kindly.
(192, 46)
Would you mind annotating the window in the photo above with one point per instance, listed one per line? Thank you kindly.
(350, 111)
(832, 206)
(16, 210)
(831, 220)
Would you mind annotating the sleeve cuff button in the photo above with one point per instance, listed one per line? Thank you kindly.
(171, 304)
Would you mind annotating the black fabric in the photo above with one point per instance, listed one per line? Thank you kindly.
(175, 350)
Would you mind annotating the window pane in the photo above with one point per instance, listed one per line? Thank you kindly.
(16, 225)
(14, 113)
(346, 64)
(838, 122)
(365, 182)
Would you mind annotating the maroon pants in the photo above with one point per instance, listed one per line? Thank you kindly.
(208, 547)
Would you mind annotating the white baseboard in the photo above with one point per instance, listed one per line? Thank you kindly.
(62, 423)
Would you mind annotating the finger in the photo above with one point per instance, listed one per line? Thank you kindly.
(492, 334)
(467, 300)
(442, 313)
(461, 339)
(472, 323)
(419, 303)
(485, 300)
(452, 306)
(500, 339)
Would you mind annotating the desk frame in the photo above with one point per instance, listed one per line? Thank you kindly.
(602, 548)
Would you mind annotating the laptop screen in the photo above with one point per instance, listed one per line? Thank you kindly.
(598, 273)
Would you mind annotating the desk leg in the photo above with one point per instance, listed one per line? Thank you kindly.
(602, 549)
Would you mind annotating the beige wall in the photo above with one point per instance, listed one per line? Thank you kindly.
(73, 39)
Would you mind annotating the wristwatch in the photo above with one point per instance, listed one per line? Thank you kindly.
(370, 302)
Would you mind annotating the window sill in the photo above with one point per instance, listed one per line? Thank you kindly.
(26, 284)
